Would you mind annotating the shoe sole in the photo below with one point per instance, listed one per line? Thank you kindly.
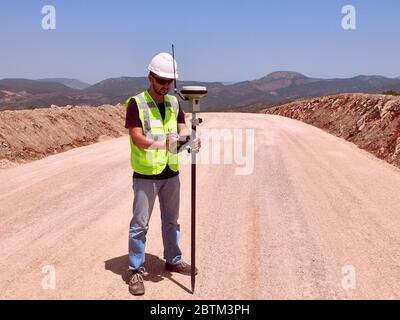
(184, 273)
(140, 293)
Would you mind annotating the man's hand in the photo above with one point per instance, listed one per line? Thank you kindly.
(172, 142)
(195, 145)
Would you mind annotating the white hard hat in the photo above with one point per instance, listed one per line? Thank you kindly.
(163, 66)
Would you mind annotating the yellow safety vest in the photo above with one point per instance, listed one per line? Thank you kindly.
(148, 161)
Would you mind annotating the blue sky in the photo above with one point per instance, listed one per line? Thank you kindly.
(214, 40)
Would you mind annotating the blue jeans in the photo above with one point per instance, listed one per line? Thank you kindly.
(145, 192)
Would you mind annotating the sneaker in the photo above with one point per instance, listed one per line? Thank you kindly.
(181, 267)
(136, 285)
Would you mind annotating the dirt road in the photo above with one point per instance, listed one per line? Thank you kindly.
(317, 218)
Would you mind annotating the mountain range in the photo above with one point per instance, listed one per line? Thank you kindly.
(275, 88)
(71, 83)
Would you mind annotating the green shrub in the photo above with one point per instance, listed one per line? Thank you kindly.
(391, 93)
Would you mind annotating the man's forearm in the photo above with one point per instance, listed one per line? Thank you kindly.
(147, 143)
(183, 130)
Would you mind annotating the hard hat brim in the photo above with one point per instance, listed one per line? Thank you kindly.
(166, 75)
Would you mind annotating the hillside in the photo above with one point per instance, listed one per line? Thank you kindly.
(71, 83)
(272, 89)
(32, 86)
(370, 121)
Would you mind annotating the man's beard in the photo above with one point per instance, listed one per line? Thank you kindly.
(162, 92)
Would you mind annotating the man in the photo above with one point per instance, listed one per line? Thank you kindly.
(156, 122)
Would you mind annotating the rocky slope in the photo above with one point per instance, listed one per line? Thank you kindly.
(370, 121)
(33, 134)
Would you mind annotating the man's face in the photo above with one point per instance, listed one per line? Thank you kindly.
(160, 85)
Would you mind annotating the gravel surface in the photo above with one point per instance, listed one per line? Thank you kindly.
(314, 207)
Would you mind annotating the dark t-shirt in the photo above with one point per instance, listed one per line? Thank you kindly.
(133, 121)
